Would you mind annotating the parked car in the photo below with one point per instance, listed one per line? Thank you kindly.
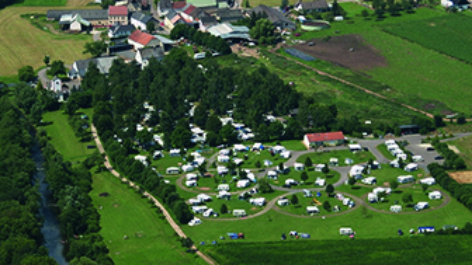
(311, 44)
(430, 149)
(438, 158)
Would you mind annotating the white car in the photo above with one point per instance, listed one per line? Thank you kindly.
(195, 222)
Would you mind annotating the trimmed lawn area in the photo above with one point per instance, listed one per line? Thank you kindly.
(387, 174)
(303, 202)
(396, 198)
(63, 137)
(253, 157)
(341, 155)
(42, 3)
(22, 44)
(290, 145)
(383, 150)
(162, 164)
(331, 177)
(125, 213)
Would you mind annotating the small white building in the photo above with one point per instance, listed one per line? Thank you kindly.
(411, 167)
(223, 187)
(435, 195)
(421, 206)
(372, 197)
(405, 179)
(299, 166)
(320, 182)
(257, 201)
(172, 170)
(243, 183)
(396, 208)
(312, 210)
(369, 180)
(191, 183)
(283, 202)
(430, 181)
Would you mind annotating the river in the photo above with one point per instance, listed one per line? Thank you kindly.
(50, 229)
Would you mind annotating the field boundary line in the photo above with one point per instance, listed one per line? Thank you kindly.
(166, 214)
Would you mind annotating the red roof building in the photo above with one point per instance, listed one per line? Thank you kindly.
(318, 139)
(179, 4)
(117, 11)
(189, 9)
(140, 39)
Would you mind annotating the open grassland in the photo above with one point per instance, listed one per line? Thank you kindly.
(446, 34)
(63, 137)
(394, 251)
(366, 223)
(42, 3)
(126, 213)
(78, 3)
(465, 147)
(413, 74)
(23, 44)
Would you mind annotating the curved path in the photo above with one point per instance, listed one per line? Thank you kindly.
(166, 214)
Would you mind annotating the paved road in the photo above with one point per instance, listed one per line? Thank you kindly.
(166, 214)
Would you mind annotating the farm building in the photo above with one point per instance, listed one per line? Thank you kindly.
(312, 210)
(323, 139)
(140, 40)
(227, 31)
(429, 181)
(396, 208)
(405, 179)
(97, 17)
(435, 195)
(411, 167)
(257, 201)
(275, 16)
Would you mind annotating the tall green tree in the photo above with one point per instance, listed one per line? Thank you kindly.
(95, 48)
(26, 73)
(263, 31)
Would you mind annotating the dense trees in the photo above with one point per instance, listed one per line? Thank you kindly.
(95, 48)
(57, 68)
(264, 31)
(26, 73)
(201, 38)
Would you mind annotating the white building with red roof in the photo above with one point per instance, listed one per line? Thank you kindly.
(118, 14)
(140, 40)
(323, 139)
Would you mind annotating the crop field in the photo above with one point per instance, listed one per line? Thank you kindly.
(446, 34)
(411, 74)
(42, 3)
(22, 44)
(124, 212)
(393, 251)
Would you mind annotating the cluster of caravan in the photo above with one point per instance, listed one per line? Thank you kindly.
(398, 153)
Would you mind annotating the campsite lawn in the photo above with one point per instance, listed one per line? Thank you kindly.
(22, 44)
(63, 138)
(331, 177)
(300, 208)
(125, 213)
(210, 184)
(387, 174)
(341, 155)
(383, 150)
(291, 145)
(253, 157)
(396, 198)
(42, 3)
(366, 223)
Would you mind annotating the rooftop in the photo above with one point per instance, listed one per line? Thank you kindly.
(141, 17)
(117, 11)
(320, 137)
(141, 37)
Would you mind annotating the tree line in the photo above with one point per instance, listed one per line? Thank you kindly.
(201, 38)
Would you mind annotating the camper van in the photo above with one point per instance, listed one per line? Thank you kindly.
(435, 195)
(239, 213)
(372, 197)
(411, 167)
(429, 181)
(188, 168)
(421, 206)
(369, 181)
(346, 231)
(199, 56)
(191, 183)
(173, 170)
(194, 222)
(405, 179)
(312, 210)
(396, 208)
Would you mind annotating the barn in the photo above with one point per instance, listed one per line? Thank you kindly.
(323, 139)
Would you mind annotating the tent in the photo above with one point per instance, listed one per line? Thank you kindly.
(233, 235)
(304, 235)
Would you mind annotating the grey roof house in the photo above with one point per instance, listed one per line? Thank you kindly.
(140, 20)
(118, 31)
(144, 55)
(275, 16)
(87, 14)
(319, 6)
(228, 15)
(163, 7)
(79, 68)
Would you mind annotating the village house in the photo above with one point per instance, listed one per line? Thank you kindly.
(79, 68)
(120, 31)
(96, 17)
(140, 40)
(141, 20)
(317, 6)
(143, 55)
(275, 16)
(118, 14)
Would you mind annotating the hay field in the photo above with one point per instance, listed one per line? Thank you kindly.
(77, 3)
(23, 44)
(462, 177)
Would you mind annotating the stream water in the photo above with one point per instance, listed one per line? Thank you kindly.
(50, 229)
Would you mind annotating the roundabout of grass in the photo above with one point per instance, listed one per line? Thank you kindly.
(341, 155)
(395, 198)
(331, 177)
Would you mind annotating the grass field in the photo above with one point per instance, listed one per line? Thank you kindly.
(412, 74)
(63, 137)
(387, 174)
(341, 155)
(125, 213)
(366, 223)
(23, 44)
(42, 3)
(392, 251)
(465, 147)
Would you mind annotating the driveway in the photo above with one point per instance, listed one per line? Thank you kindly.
(43, 77)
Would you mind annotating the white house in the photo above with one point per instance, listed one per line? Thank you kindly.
(405, 179)
(142, 159)
(143, 55)
(140, 40)
(223, 159)
(283, 202)
(119, 31)
(188, 168)
(199, 209)
(430, 181)
(191, 183)
(223, 187)
(191, 176)
(172, 170)
(369, 180)
(312, 210)
(243, 183)
(411, 167)
(299, 166)
(396, 208)
(258, 201)
(421, 206)
(320, 182)
(140, 20)
(435, 195)
(372, 197)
